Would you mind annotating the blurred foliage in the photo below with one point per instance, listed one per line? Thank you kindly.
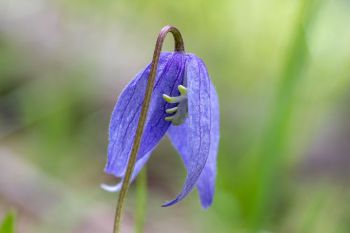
(8, 223)
(282, 71)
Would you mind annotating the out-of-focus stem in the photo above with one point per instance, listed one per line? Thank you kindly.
(141, 201)
(179, 47)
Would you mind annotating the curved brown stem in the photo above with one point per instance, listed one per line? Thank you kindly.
(179, 47)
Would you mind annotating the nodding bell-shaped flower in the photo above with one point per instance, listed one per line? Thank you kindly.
(184, 105)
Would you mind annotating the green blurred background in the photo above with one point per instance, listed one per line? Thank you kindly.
(282, 72)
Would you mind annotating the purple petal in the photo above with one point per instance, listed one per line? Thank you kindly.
(206, 182)
(126, 113)
(197, 139)
(138, 167)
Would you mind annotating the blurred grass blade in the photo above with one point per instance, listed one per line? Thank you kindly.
(8, 223)
(313, 212)
(275, 138)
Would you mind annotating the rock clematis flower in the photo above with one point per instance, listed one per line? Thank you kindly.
(184, 105)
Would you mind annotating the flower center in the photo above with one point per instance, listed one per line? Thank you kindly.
(180, 112)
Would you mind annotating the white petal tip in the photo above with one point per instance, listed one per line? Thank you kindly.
(111, 188)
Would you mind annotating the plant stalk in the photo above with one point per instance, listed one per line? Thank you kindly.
(179, 47)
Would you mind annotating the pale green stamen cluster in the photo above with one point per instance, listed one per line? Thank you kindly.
(181, 110)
